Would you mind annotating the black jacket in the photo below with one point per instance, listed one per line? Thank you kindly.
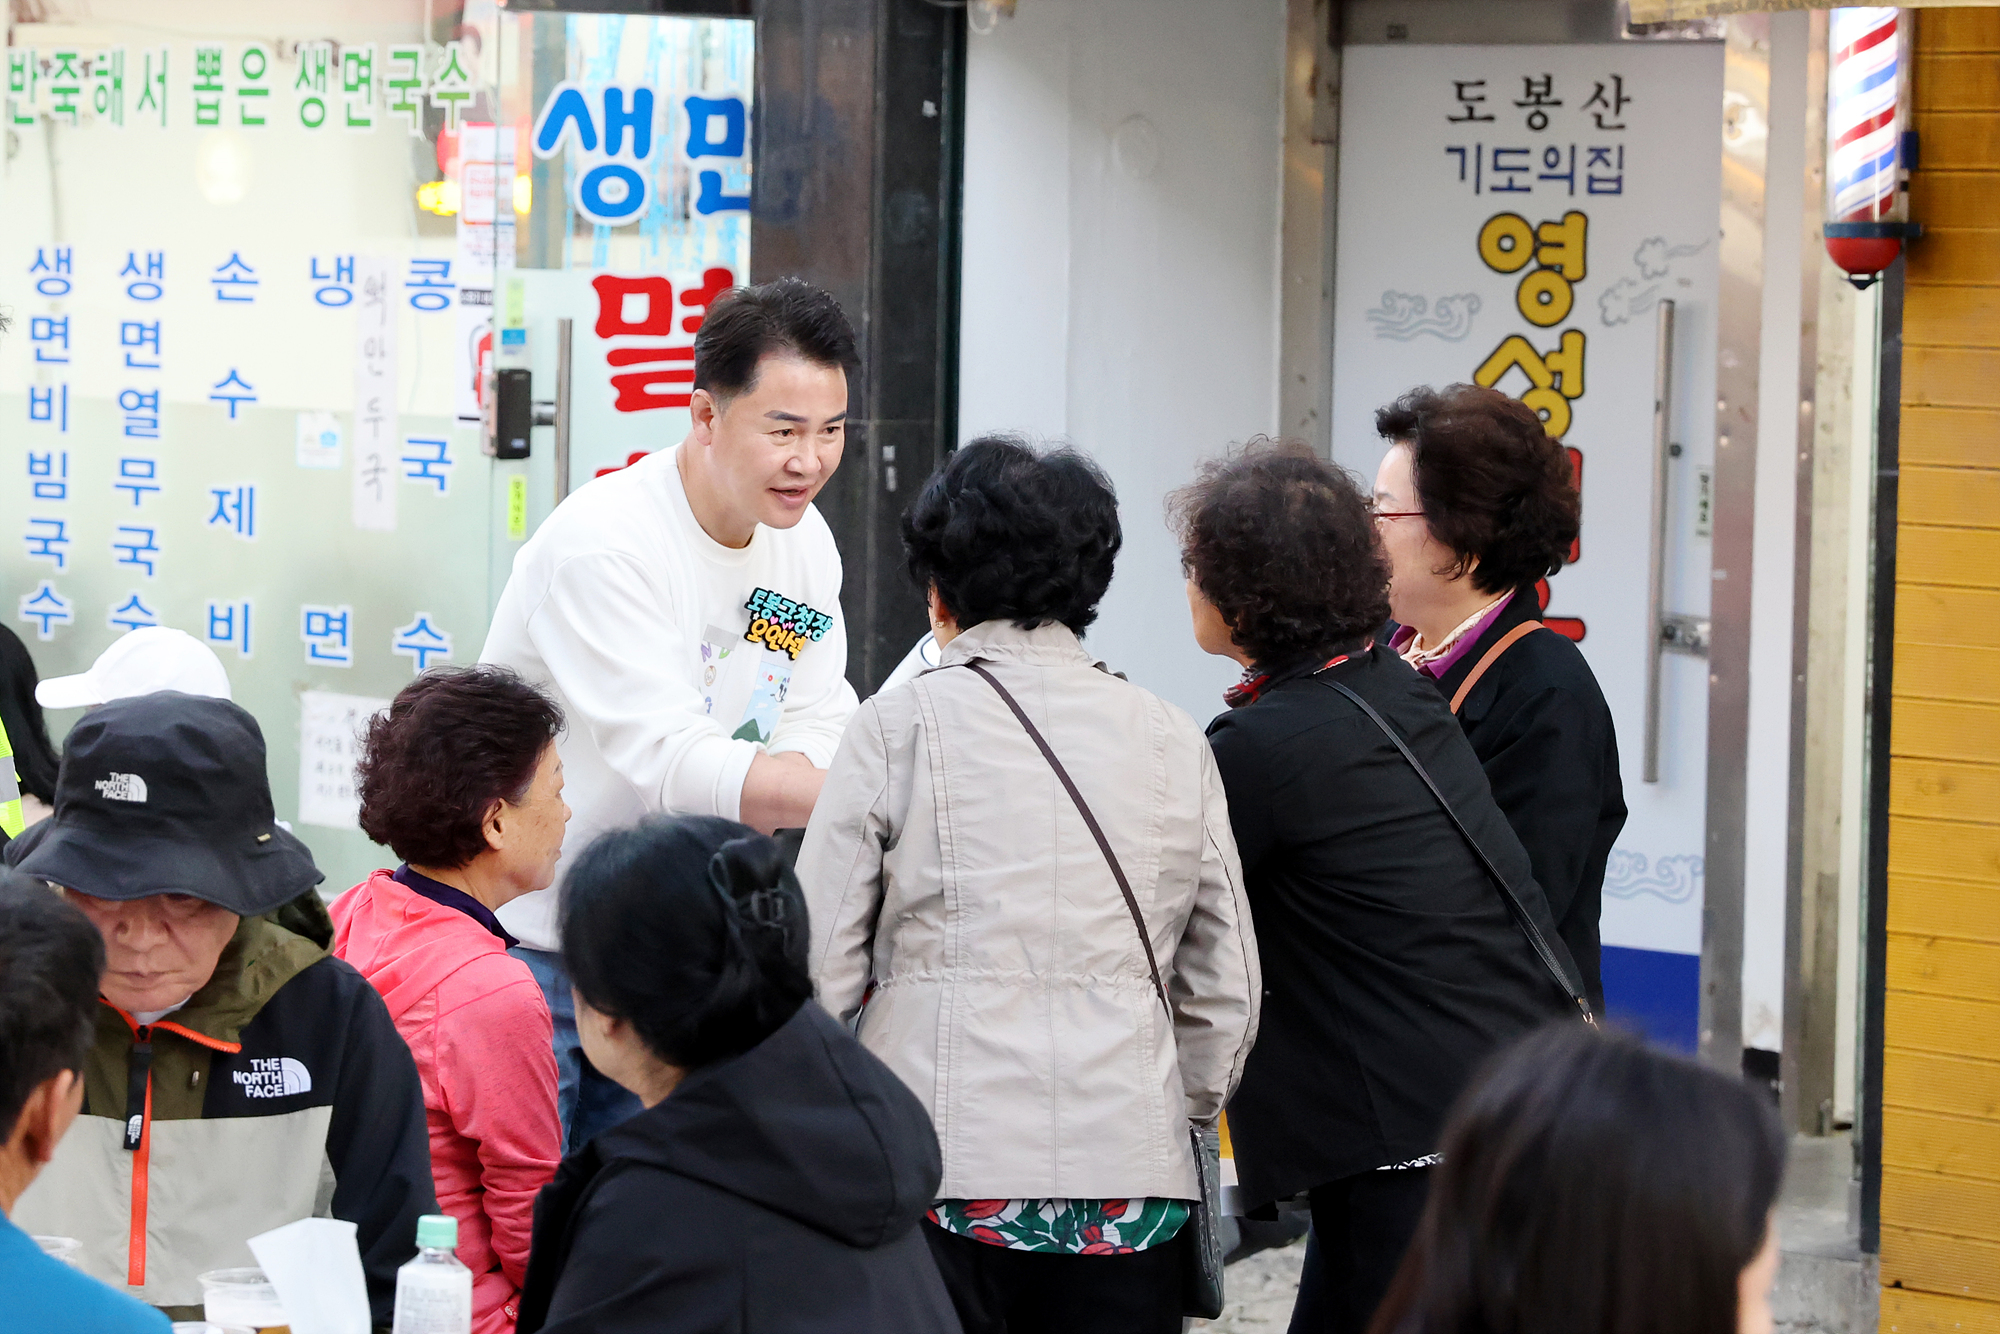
(1391, 964)
(779, 1190)
(284, 1068)
(1543, 733)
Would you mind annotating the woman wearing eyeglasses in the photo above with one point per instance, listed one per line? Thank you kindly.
(1475, 505)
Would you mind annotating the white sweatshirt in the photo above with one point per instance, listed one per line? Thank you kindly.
(645, 630)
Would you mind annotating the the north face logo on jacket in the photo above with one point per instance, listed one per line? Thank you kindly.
(122, 787)
(273, 1077)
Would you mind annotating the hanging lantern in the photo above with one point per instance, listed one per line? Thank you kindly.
(1867, 206)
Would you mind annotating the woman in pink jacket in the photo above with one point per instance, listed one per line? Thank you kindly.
(461, 780)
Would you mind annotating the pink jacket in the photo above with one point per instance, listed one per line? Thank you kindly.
(479, 1029)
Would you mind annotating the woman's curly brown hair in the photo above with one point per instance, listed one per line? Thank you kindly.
(453, 742)
(1281, 541)
(1492, 485)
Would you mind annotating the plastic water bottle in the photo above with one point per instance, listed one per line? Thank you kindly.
(434, 1291)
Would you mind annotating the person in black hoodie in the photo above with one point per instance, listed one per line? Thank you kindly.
(775, 1180)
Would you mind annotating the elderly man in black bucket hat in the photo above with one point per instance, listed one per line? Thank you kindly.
(241, 1076)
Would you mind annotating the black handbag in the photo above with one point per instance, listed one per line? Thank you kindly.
(1536, 940)
(1201, 1253)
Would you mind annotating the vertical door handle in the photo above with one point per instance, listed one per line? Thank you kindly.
(564, 329)
(1656, 571)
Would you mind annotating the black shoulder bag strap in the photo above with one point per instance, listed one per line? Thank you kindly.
(1202, 1256)
(1096, 831)
(1536, 940)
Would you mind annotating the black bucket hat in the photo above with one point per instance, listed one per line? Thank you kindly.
(167, 794)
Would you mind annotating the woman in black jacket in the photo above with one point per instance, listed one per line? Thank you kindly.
(1475, 506)
(776, 1177)
(1392, 962)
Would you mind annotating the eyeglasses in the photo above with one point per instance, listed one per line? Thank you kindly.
(1380, 514)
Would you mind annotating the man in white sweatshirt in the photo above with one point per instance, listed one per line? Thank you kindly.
(685, 612)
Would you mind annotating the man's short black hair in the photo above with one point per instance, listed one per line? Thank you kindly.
(1005, 532)
(746, 324)
(51, 960)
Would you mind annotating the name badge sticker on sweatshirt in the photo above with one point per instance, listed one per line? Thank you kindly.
(783, 625)
(767, 699)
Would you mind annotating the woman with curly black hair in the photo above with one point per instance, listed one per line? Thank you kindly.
(1475, 506)
(1024, 889)
(1394, 962)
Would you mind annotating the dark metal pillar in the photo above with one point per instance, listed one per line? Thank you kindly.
(1881, 715)
(860, 125)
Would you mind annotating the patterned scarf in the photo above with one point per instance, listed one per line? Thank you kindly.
(1255, 680)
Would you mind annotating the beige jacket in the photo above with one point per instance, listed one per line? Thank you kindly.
(946, 865)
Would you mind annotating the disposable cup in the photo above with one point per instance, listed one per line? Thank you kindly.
(243, 1297)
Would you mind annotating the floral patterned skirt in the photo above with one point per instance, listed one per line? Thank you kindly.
(1064, 1227)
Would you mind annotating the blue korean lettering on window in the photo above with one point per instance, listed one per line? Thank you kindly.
(49, 404)
(137, 546)
(235, 281)
(234, 510)
(142, 413)
(140, 340)
(132, 614)
(245, 391)
(718, 127)
(146, 275)
(430, 284)
(47, 608)
(48, 539)
(421, 641)
(48, 475)
(229, 623)
(428, 459)
(139, 476)
(325, 632)
(49, 336)
(336, 284)
(54, 266)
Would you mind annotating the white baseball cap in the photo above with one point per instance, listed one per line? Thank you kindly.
(150, 658)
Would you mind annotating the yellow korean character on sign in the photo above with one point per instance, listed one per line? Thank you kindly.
(1557, 375)
(1508, 244)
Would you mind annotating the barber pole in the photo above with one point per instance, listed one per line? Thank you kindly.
(1867, 109)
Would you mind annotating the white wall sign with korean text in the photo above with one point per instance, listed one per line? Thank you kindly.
(1511, 216)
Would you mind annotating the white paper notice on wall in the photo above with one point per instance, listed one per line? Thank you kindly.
(375, 457)
(319, 440)
(330, 732)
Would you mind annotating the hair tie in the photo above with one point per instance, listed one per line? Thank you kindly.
(749, 875)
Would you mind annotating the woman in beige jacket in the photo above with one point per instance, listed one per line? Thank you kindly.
(966, 919)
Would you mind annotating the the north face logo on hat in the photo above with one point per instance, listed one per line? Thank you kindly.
(122, 787)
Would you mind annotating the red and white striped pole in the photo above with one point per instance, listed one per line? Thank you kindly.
(1867, 112)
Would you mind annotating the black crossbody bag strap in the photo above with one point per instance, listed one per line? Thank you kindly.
(1090, 820)
(1536, 940)
(1202, 1255)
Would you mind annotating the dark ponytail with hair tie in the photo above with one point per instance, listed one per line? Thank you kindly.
(693, 930)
